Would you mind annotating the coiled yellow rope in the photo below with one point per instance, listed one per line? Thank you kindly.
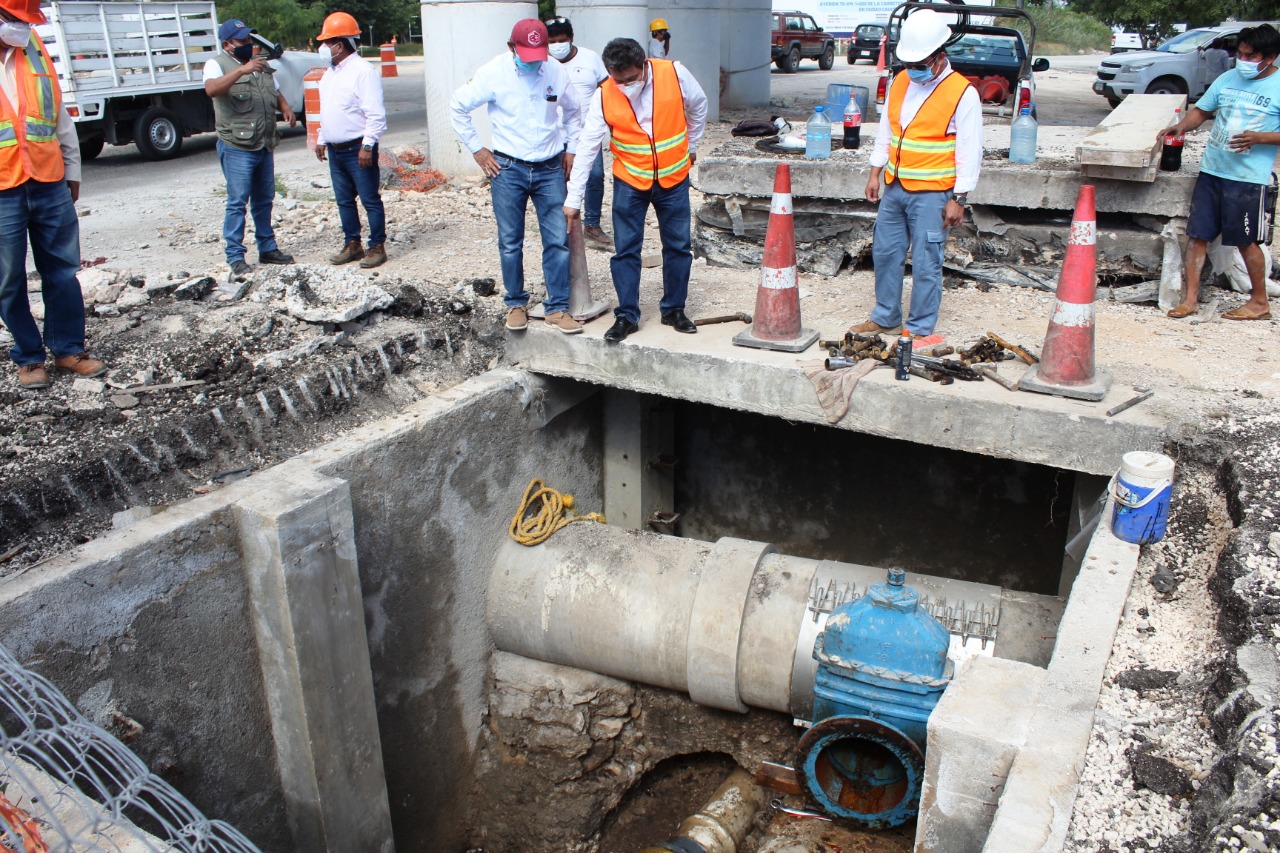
(542, 512)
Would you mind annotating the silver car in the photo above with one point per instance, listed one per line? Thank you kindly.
(1184, 65)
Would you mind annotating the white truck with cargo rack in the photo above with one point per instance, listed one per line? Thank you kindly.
(133, 72)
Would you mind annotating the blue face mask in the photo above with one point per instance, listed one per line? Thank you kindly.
(1248, 70)
(921, 75)
(527, 67)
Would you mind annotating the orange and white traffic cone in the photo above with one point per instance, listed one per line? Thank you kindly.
(777, 319)
(311, 105)
(880, 61)
(1066, 367)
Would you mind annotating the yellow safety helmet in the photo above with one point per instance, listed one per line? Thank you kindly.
(658, 24)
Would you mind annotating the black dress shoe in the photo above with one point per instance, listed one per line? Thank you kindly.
(620, 329)
(275, 256)
(678, 321)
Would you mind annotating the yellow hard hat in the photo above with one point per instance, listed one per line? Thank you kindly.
(658, 24)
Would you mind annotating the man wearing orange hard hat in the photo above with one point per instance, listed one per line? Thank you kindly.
(39, 186)
(352, 120)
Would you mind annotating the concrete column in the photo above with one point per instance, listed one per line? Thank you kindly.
(695, 42)
(297, 540)
(639, 478)
(744, 53)
(595, 24)
(450, 61)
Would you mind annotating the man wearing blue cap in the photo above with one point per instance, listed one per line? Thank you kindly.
(245, 99)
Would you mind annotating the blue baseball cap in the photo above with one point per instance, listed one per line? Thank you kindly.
(233, 29)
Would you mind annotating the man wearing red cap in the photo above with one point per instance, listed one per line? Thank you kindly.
(529, 101)
(39, 186)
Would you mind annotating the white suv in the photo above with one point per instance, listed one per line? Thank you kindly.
(1180, 66)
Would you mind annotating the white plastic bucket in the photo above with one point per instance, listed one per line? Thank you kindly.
(1142, 490)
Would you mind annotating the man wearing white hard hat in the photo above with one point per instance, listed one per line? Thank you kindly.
(929, 151)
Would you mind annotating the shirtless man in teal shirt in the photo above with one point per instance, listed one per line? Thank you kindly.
(1229, 199)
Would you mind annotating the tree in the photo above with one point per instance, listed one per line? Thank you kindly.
(282, 21)
(379, 19)
(1154, 20)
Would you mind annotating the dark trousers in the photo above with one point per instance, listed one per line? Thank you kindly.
(630, 206)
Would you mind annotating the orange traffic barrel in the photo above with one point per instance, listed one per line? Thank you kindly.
(389, 60)
(311, 105)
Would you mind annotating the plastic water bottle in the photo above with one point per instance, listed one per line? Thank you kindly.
(817, 136)
(852, 123)
(1171, 151)
(1022, 137)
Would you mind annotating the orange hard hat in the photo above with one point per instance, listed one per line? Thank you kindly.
(24, 10)
(337, 25)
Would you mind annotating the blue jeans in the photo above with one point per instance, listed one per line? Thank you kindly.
(515, 185)
(629, 208)
(45, 212)
(595, 194)
(251, 181)
(909, 220)
(349, 181)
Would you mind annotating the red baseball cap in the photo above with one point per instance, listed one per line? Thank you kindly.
(530, 38)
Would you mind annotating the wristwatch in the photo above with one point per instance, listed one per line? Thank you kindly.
(366, 147)
(961, 199)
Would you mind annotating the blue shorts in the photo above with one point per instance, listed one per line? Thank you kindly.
(1234, 209)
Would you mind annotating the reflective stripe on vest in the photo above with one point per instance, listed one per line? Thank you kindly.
(29, 148)
(923, 155)
(638, 158)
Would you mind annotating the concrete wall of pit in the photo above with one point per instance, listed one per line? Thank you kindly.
(154, 623)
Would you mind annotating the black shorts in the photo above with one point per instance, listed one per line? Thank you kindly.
(1234, 209)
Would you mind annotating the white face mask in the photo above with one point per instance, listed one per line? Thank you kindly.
(1249, 70)
(15, 33)
(326, 55)
(560, 50)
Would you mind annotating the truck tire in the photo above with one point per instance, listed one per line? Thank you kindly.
(158, 134)
(91, 147)
(1167, 86)
(1114, 102)
(791, 59)
(853, 55)
(828, 58)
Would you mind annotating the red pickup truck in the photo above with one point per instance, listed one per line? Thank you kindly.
(797, 36)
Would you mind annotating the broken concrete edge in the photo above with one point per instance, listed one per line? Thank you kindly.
(1035, 809)
(968, 419)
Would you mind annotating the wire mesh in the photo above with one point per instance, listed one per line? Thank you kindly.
(68, 785)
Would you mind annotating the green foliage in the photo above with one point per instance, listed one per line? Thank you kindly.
(282, 21)
(379, 19)
(1063, 28)
(546, 9)
(1258, 10)
(1156, 18)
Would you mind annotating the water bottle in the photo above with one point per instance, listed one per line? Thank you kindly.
(817, 136)
(1022, 137)
(1171, 151)
(852, 123)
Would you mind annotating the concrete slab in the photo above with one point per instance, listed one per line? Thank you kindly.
(1127, 136)
(978, 417)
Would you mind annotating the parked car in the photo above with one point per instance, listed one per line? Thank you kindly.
(866, 42)
(797, 36)
(1184, 65)
(1124, 41)
(998, 57)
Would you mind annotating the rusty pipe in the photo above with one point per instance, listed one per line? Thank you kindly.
(722, 824)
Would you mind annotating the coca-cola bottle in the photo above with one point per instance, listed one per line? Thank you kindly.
(852, 123)
(1171, 151)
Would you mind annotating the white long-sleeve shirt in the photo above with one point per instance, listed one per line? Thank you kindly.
(595, 130)
(351, 104)
(65, 130)
(526, 111)
(966, 124)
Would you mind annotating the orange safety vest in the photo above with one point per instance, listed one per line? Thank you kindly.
(923, 156)
(638, 158)
(29, 149)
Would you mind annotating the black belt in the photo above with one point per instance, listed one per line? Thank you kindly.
(346, 146)
(526, 162)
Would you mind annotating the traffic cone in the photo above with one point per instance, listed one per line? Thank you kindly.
(1066, 366)
(582, 307)
(880, 61)
(311, 105)
(777, 318)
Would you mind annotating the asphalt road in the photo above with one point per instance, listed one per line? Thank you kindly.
(1064, 97)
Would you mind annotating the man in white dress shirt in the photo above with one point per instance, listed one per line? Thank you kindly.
(653, 113)
(929, 149)
(534, 115)
(352, 120)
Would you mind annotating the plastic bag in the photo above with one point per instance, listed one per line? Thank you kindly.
(1226, 261)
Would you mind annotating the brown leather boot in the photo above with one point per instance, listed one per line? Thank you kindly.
(353, 251)
(33, 377)
(81, 363)
(376, 256)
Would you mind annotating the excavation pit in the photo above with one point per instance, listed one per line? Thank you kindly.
(317, 654)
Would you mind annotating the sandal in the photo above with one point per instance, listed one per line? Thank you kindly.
(1238, 314)
(1180, 312)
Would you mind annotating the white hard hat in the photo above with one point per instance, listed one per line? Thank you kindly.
(923, 33)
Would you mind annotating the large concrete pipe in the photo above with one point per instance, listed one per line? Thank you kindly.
(731, 624)
(745, 27)
(450, 61)
(695, 42)
(595, 24)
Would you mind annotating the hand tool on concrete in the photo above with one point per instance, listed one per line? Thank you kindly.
(952, 368)
(932, 375)
(988, 371)
(1144, 394)
(741, 316)
(1013, 348)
